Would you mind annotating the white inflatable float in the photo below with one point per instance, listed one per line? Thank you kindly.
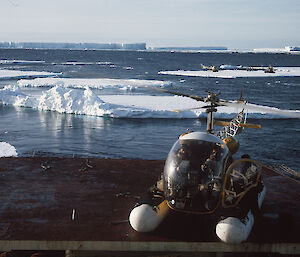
(146, 218)
(233, 230)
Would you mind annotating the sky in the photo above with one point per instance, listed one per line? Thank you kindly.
(236, 24)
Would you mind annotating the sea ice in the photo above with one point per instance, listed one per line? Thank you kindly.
(92, 83)
(7, 150)
(279, 72)
(10, 74)
(86, 102)
(5, 61)
(65, 100)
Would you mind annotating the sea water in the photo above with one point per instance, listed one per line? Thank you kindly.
(53, 133)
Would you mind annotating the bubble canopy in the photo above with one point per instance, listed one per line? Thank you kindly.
(195, 161)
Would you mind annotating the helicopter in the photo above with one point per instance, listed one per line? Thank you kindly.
(210, 68)
(201, 177)
(213, 68)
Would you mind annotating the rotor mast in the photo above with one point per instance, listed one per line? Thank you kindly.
(212, 99)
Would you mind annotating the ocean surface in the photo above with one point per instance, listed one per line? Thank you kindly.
(51, 133)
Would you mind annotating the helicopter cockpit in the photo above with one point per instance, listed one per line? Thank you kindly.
(193, 171)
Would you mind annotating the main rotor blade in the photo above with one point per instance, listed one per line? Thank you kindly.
(189, 109)
(195, 97)
(240, 105)
(262, 109)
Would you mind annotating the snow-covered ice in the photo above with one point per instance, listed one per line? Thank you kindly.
(7, 150)
(10, 74)
(5, 61)
(126, 84)
(76, 101)
(86, 102)
(83, 63)
(279, 72)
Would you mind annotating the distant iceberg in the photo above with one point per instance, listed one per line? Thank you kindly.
(287, 49)
(292, 48)
(193, 48)
(79, 46)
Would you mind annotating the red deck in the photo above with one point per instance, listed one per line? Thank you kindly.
(39, 196)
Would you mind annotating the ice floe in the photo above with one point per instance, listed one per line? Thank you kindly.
(86, 102)
(236, 73)
(5, 61)
(7, 150)
(92, 83)
(83, 63)
(17, 74)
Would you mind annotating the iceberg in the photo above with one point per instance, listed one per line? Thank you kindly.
(79, 46)
(65, 100)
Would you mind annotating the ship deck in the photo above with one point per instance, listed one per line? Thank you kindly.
(80, 199)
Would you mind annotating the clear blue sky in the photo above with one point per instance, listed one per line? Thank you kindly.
(232, 23)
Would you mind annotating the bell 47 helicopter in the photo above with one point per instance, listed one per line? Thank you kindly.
(201, 177)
